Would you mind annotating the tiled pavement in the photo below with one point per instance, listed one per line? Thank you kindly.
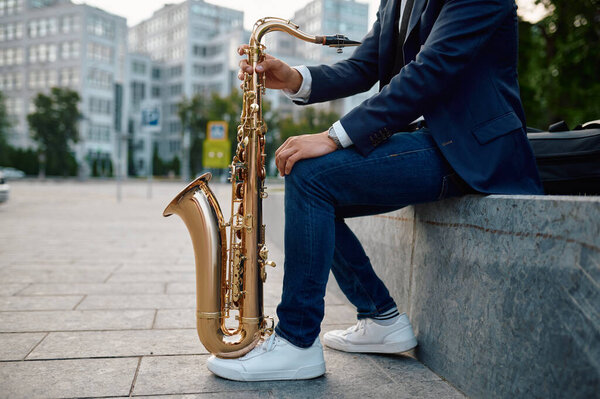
(97, 300)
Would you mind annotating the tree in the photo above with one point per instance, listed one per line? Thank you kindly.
(4, 126)
(558, 65)
(311, 120)
(192, 114)
(54, 127)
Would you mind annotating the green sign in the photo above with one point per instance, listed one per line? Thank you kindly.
(216, 154)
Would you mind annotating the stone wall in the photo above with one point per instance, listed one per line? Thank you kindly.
(503, 291)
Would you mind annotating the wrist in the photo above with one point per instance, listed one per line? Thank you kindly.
(332, 136)
(295, 81)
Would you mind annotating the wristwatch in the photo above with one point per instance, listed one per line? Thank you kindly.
(331, 134)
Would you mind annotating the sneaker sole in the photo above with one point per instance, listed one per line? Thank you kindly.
(395, 347)
(302, 373)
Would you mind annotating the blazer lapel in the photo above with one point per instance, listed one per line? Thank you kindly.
(415, 16)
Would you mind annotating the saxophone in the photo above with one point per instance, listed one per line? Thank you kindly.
(230, 282)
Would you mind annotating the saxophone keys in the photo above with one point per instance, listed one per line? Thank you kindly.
(254, 108)
(270, 263)
(264, 252)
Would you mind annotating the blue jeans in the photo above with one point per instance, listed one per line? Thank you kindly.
(319, 194)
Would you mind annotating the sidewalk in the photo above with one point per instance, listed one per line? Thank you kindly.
(97, 300)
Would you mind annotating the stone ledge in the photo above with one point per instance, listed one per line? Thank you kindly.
(503, 291)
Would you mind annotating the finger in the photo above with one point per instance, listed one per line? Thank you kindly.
(267, 65)
(241, 49)
(279, 163)
(240, 75)
(282, 147)
(281, 159)
(291, 161)
(244, 66)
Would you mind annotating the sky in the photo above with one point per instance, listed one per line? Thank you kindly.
(138, 10)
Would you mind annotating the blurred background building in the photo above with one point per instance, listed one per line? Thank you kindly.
(48, 43)
(182, 50)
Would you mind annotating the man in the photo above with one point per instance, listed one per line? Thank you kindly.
(452, 62)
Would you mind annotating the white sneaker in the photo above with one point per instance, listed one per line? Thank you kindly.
(273, 359)
(369, 337)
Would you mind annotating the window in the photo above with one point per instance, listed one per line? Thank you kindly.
(207, 51)
(43, 27)
(42, 53)
(175, 71)
(139, 67)
(138, 92)
(205, 90)
(175, 90)
(101, 27)
(39, 79)
(69, 50)
(11, 81)
(69, 24)
(99, 133)
(207, 70)
(100, 79)
(10, 7)
(155, 92)
(68, 77)
(99, 106)
(99, 52)
(156, 73)
(12, 31)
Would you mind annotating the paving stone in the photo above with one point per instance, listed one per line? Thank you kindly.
(215, 395)
(402, 368)
(175, 318)
(67, 378)
(17, 346)
(151, 261)
(166, 267)
(52, 276)
(142, 277)
(75, 320)
(11, 289)
(181, 288)
(45, 266)
(346, 374)
(38, 302)
(94, 289)
(426, 390)
(91, 344)
(156, 301)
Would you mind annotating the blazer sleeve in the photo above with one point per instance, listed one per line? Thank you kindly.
(460, 30)
(351, 76)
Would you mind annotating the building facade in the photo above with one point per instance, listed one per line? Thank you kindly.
(321, 17)
(48, 43)
(184, 49)
(193, 44)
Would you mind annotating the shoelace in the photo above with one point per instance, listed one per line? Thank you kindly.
(269, 343)
(358, 326)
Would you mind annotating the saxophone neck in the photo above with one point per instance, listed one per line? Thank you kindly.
(270, 24)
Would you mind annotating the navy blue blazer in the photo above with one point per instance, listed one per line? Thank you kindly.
(460, 73)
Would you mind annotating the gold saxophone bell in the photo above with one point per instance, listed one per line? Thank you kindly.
(229, 278)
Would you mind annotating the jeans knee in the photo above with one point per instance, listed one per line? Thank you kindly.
(301, 175)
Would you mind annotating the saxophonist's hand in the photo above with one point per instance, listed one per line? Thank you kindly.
(302, 147)
(279, 75)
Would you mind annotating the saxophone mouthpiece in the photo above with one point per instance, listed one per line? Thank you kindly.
(338, 41)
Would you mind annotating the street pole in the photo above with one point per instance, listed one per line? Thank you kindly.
(150, 166)
(119, 166)
(185, 172)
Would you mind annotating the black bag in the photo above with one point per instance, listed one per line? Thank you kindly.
(568, 161)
